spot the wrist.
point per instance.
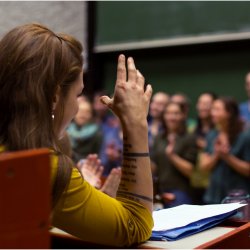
(133, 125)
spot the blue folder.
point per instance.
(192, 228)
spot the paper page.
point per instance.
(183, 215)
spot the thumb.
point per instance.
(106, 101)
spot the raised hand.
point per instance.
(130, 102)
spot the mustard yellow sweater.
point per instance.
(93, 216)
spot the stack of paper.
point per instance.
(181, 221)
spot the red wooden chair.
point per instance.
(25, 199)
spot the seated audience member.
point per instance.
(42, 73)
(156, 109)
(85, 135)
(199, 180)
(183, 99)
(245, 106)
(174, 155)
(227, 152)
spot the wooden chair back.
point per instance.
(25, 199)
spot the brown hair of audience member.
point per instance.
(182, 129)
(234, 123)
(35, 59)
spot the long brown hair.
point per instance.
(234, 123)
(34, 63)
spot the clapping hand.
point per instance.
(171, 144)
(92, 171)
(222, 146)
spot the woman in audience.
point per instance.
(199, 179)
(42, 73)
(85, 135)
(174, 156)
(227, 152)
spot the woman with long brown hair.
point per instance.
(227, 152)
(174, 155)
(40, 80)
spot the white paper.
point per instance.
(183, 215)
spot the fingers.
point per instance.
(148, 92)
(99, 171)
(132, 72)
(121, 70)
(140, 79)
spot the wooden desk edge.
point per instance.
(226, 236)
(245, 228)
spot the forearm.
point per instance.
(208, 162)
(238, 165)
(136, 182)
(184, 166)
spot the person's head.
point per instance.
(225, 115)
(85, 112)
(40, 77)
(247, 84)
(204, 105)
(174, 118)
(183, 99)
(158, 104)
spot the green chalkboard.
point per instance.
(220, 72)
(119, 22)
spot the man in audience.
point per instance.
(245, 106)
(157, 106)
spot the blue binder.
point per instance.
(192, 228)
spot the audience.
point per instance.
(245, 106)
(227, 152)
(174, 155)
(85, 135)
(183, 150)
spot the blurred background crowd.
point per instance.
(195, 160)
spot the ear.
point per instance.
(56, 98)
